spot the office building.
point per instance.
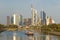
(20, 20)
(27, 21)
(15, 19)
(34, 16)
(43, 18)
(49, 20)
(39, 21)
(8, 20)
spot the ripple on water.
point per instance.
(9, 35)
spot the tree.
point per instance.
(2, 28)
(58, 27)
(45, 29)
(12, 27)
(53, 27)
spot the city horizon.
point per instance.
(29, 19)
(7, 8)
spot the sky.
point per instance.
(9, 7)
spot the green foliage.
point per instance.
(50, 28)
(44, 28)
(58, 27)
(12, 27)
(53, 27)
(2, 28)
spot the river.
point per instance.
(20, 35)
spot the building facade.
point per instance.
(27, 21)
(43, 18)
(15, 19)
(8, 20)
(21, 20)
(34, 16)
(49, 20)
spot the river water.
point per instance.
(10, 35)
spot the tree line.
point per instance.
(43, 28)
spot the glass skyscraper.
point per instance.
(34, 16)
(15, 19)
(43, 18)
(21, 20)
(8, 20)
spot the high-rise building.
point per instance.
(43, 18)
(21, 20)
(15, 19)
(49, 20)
(39, 21)
(8, 20)
(27, 21)
(34, 16)
(11, 19)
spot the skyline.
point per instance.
(8, 7)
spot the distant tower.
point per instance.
(15, 19)
(8, 20)
(29, 21)
(21, 20)
(43, 18)
(39, 21)
(25, 21)
(47, 20)
(50, 20)
(34, 16)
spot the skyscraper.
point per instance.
(43, 18)
(21, 20)
(34, 16)
(15, 19)
(49, 20)
(8, 20)
(39, 21)
(27, 21)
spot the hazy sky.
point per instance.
(8, 7)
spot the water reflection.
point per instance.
(14, 36)
(9, 35)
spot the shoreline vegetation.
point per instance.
(45, 29)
